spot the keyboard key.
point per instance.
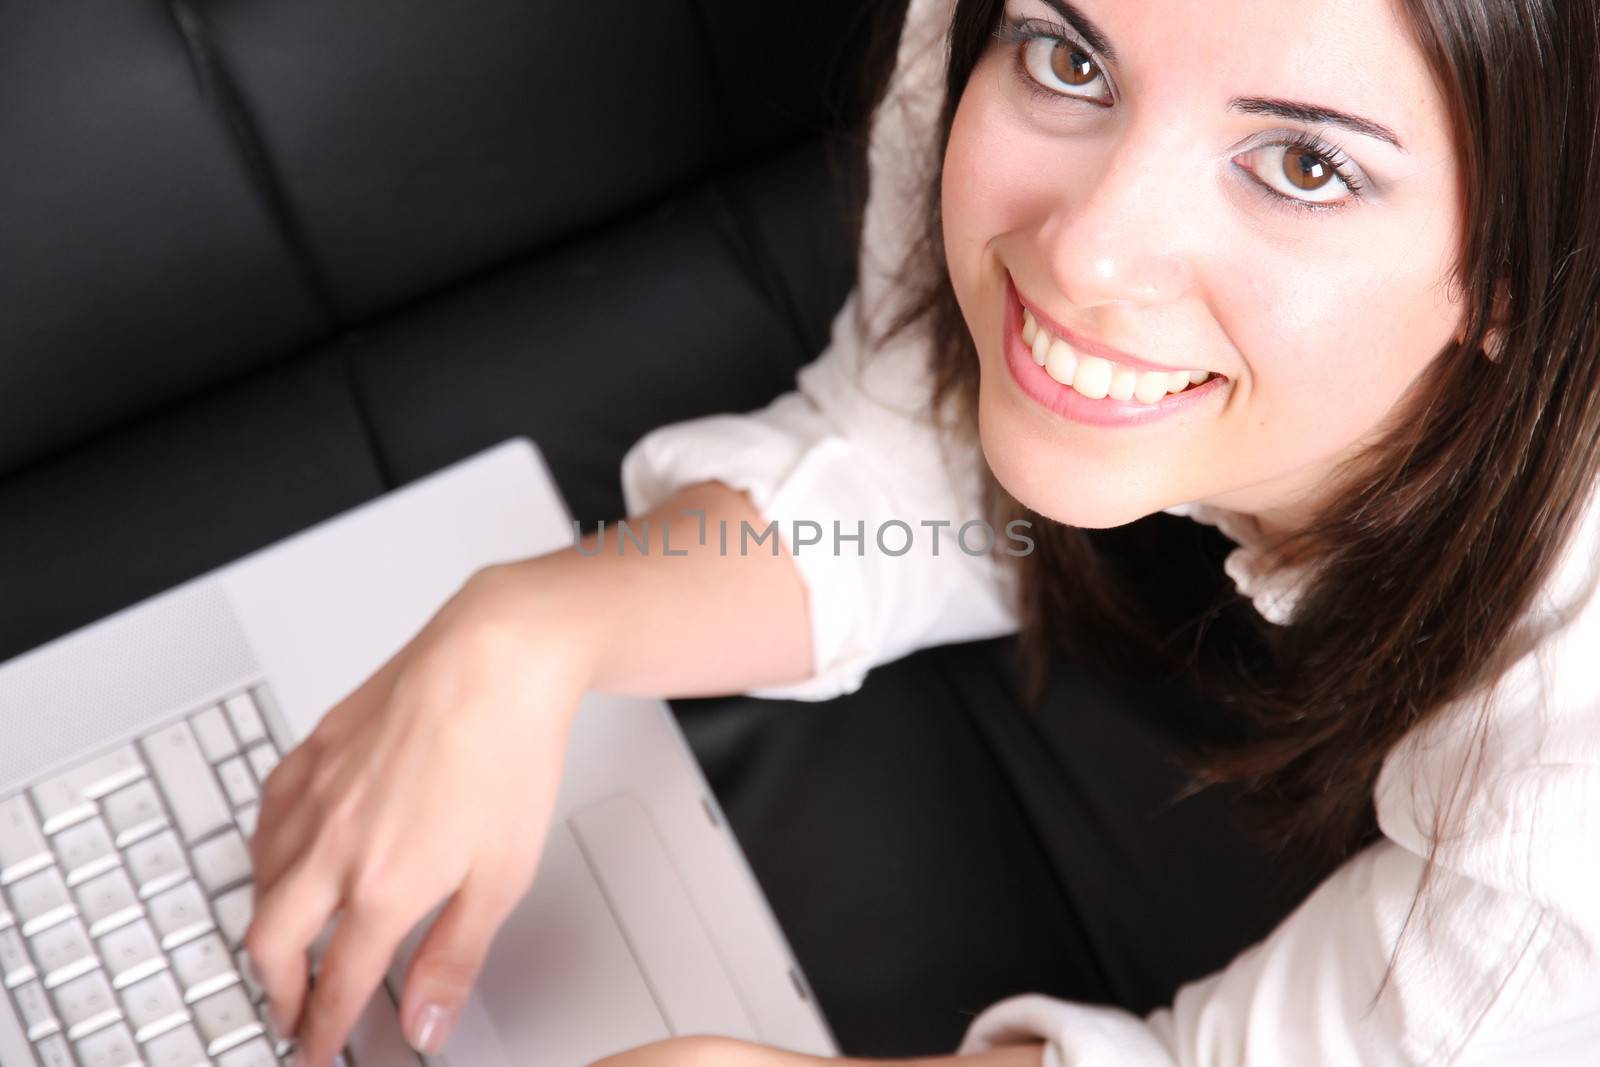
(40, 901)
(180, 915)
(107, 902)
(237, 782)
(197, 804)
(157, 863)
(263, 758)
(154, 1005)
(67, 798)
(221, 862)
(63, 952)
(86, 1004)
(203, 966)
(216, 739)
(22, 847)
(246, 719)
(133, 812)
(247, 973)
(38, 1015)
(53, 1052)
(14, 1045)
(85, 850)
(15, 966)
(280, 1044)
(256, 1054)
(131, 953)
(247, 817)
(225, 1019)
(178, 1048)
(233, 914)
(111, 1047)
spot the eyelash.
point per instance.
(1019, 32)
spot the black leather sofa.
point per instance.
(262, 260)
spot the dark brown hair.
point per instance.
(1439, 536)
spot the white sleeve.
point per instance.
(1501, 961)
(856, 444)
(1490, 977)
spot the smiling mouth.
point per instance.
(1097, 378)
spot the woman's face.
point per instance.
(1211, 189)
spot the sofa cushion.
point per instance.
(177, 494)
(554, 349)
(682, 312)
(417, 142)
(137, 263)
(785, 71)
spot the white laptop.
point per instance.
(131, 753)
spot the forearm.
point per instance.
(725, 1052)
(1010, 1056)
(704, 620)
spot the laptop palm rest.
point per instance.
(607, 952)
(560, 985)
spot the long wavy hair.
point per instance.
(1439, 536)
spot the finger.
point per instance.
(363, 943)
(286, 819)
(447, 964)
(302, 826)
(281, 793)
(286, 783)
(288, 918)
(280, 839)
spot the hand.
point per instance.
(432, 782)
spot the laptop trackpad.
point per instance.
(659, 919)
(560, 986)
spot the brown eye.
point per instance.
(1071, 65)
(1064, 68)
(1306, 170)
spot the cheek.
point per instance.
(999, 183)
(1351, 329)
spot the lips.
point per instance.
(1085, 381)
(1097, 377)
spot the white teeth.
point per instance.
(1152, 386)
(1093, 379)
(1098, 378)
(1061, 363)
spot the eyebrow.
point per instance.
(1294, 110)
(1290, 109)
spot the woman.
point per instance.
(1365, 239)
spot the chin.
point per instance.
(1047, 478)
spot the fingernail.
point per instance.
(431, 1028)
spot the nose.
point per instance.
(1117, 234)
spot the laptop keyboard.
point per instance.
(125, 894)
